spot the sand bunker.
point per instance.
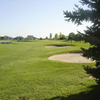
(70, 57)
(57, 46)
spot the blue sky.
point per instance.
(36, 17)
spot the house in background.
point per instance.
(31, 37)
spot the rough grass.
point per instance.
(27, 74)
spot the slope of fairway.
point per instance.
(27, 74)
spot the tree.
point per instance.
(46, 38)
(50, 35)
(41, 38)
(56, 36)
(62, 36)
(92, 34)
(78, 37)
(71, 36)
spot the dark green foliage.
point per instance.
(62, 36)
(78, 37)
(46, 38)
(94, 72)
(92, 34)
(71, 36)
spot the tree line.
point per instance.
(72, 36)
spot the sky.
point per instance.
(36, 17)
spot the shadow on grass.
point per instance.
(93, 94)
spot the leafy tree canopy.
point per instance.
(92, 34)
(71, 36)
(56, 36)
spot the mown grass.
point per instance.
(27, 74)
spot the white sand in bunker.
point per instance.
(70, 57)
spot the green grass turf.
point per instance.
(27, 74)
